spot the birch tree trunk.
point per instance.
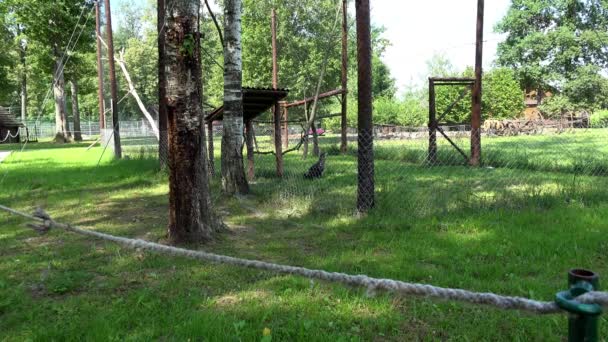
(75, 110)
(62, 132)
(191, 217)
(22, 52)
(233, 170)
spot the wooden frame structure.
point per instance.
(434, 120)
(255, 102)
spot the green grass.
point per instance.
(512, 230)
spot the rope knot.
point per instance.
(47, 222)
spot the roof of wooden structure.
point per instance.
(255, 102)
(7, 119)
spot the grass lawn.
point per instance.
(513, 230)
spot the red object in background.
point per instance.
(320, 131)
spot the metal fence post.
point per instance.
(583, 319)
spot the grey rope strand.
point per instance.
(372, 284)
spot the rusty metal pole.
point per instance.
(432, 156)
(102, 114)
(477, 89)
(113, 87)
(366, 186)
(344, 78)
(278, 148)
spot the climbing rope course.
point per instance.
(591, 301)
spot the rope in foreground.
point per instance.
(372, 284)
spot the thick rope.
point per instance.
(372, 284)
(9, 136)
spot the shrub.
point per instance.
(556, 106)
(502, 96)
(599, 119)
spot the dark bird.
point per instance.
(316, 171)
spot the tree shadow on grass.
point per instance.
(485, 256)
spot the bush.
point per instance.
(386, 110)
(599, 119)
(556, 106)
(413, 113)
(502, 96)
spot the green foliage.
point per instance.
(588, 88)
(7, 59)
(555, 43)
(502, 96)
(556, 106)
(599, 119)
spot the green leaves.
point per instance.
(187, 47)
(549, 42)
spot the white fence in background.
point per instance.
(90, 129)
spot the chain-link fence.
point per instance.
(417, 173)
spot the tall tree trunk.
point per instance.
(191, 217)
(62, 132)
(113, 86)
(100, 98)
(344, 78)
(75, 110)
(22, 52)
(233, 171)
(163, 148)
(365, 161)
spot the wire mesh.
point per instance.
(521, 166)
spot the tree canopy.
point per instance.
(551, 43)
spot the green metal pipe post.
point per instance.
(583, 319)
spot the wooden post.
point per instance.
(366, 185)
(210, 148)
(278, 149)
(344, 126)
(285, 126)
(249, 134)
(113, 87)
(432, 156)
(102, 114)
(477, 89)
(163, 137)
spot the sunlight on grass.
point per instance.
(514, 228)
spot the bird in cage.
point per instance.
(316, 171)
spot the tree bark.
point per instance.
(191, 217)
(344, 79)
(62, 132)
(100, 98)
(22, 52)
(163, 148)
(276, 111)
(75, 111)
(365, 163)
(113, 86)
(233, 171)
